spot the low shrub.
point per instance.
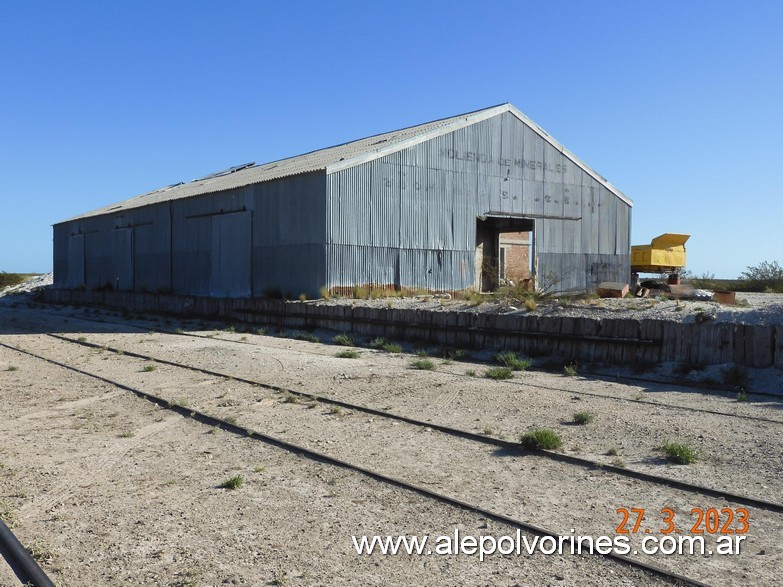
(511, 360)
(541, 439)
(234, 482)
(678, 453)
(583, 418)
(344, 339)
(499, 373)
(425, 364)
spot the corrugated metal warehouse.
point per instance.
(461, 202)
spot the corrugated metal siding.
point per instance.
(123, 251)
(407, 218)
(623, 231)
(231, 252)
(570, 272)
(289, 233)
(98, 247)
(381, 264)
(152, 253)
(389, 213)
(215, 245)
(384, 211)
(590, 213)
(437, 270)
(210, 242)
(75, 276)
(62, 265)
(151, 246)
(191, 256)
(122, 258)
(289, 270)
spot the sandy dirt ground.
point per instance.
(110, 490)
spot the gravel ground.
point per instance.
(110, 490)
(123, 493)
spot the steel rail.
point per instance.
(456, 432)
(317, 456)
(20, 560)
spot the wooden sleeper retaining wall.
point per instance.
(608, 340)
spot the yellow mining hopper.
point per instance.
(665, 254)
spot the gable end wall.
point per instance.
(409, 218)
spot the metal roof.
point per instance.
(334, 159)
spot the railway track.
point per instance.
(244, 431)
(657, 404)
(451, 431)
(229, 426)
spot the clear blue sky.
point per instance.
(677, 103)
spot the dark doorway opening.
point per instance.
(504, 252)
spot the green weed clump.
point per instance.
(570, 370)
(541, 439)
(40, 552)
(425, 364)
(472, 297)
(583, 418)
(511, 360)
(149, 367)
(499, 373)
(459, 355)
(384, 344)
(344, 339)
(678, 453)
(348, 354)
(234, 482)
